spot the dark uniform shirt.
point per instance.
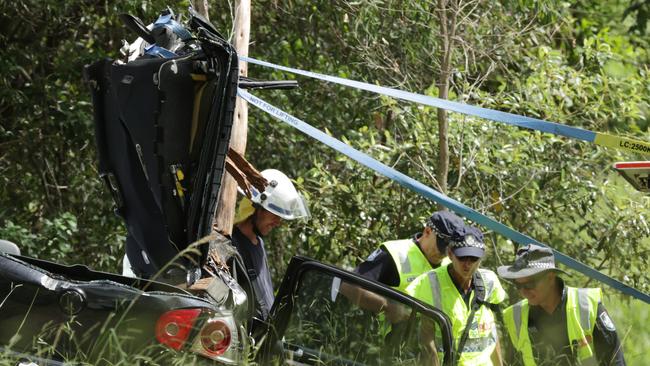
(380, 266)
(254, 257)
(465, 295)
(549, 337)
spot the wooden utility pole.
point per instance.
(447, 18)
(201, 7)
(228, 198)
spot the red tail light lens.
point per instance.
(215, 337)
(174, 327)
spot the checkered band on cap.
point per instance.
(530, 260)
(438, 232)
(534, 256)
(468, 241)
(446, 225)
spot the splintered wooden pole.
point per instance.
(228, 197)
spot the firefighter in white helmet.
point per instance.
(255, 218)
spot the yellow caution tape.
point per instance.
(622, 143)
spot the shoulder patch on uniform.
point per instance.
(606, 321)
(411, 278)
(374, 255)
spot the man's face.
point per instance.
(464, 266)
(266, 221)
(429, 244)
(536, 288)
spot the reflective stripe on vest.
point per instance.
(437, 289)
(581, 327)
(517, 315)
(409, 260)
(583, 303)
(581, 308)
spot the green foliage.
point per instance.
(629, 315)
(581, 63)
(556, 190)
(571, 64)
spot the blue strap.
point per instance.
(434, 195)
(626, 144)
(171, 23)
(153, 50)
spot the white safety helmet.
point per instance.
(280, 196)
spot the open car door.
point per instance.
(327, 316)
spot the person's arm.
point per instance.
(395, 312)
(608, 348)
(378, 267)
(496, 357)
(427, 338)
(363, 298)
(372, 268)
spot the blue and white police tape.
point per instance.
(598, 138)
(434, 195)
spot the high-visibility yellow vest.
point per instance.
(581, 312)
(437, 288)
(409, 260)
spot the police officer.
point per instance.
(556, 324)
(470, 296)
(396, 263)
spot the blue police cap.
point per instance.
(470, 245)
(447, 226)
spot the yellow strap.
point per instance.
(622, 143)
(199, 77)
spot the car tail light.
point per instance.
(215, 337)
(174, 327)
(218, 339)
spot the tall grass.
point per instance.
(632, 320)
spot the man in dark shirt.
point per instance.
(556, 324)
(257, 217)
(397, 263)
(548, 333)
(253, 254)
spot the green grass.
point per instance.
(631, 318)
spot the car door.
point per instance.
(328, 316)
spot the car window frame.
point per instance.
(276, 326)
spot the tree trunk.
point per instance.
(228, 196)
(201, 7)
(447, 31)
